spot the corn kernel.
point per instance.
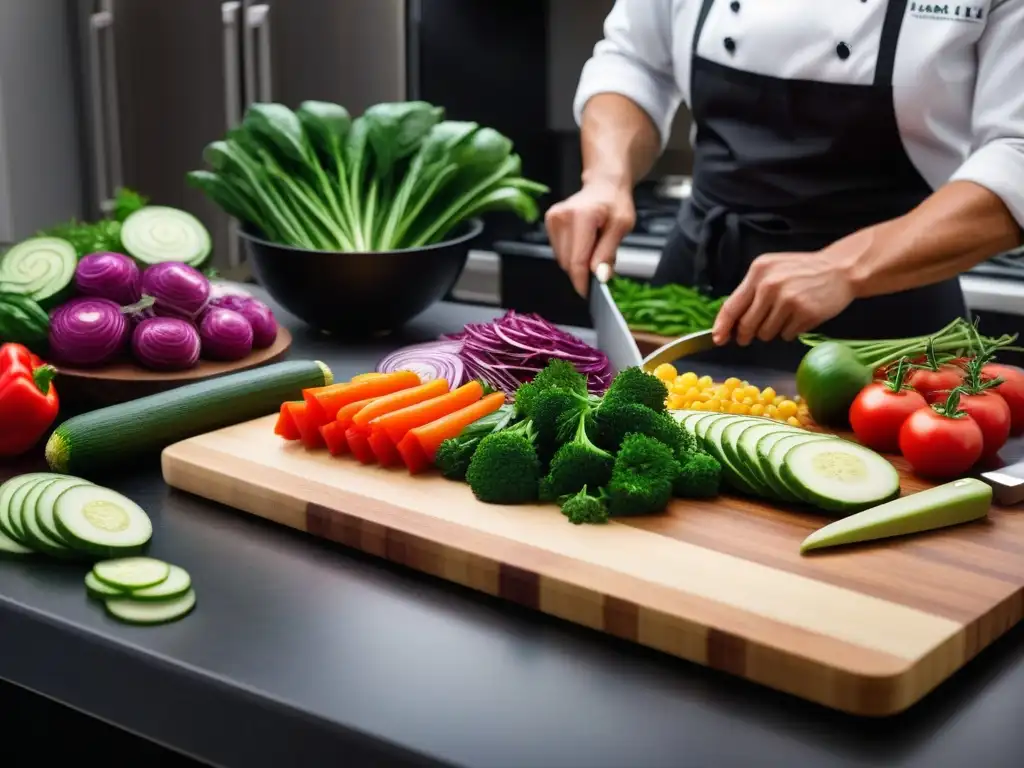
(757, 409)
(768, 395)
(748, 401)
(714, 404)
(777, 400)
(688, 379)
(794, 421)
(738, 408)
(752, 392)
(674, 402)
(698, 406)
(705, 382)
(771, 411)
(731, 383)
(666, 372)
(787, 408)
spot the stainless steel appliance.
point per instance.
(166, 78)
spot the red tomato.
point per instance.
(926, 381)
(1011, 390)
(991, 413)
(877, 413)
(940, 447)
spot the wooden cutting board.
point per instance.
(869, 630)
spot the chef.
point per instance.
(851, 157)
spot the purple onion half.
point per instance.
(108, 275)
(225, 335)
(177, 289)
(87, 332)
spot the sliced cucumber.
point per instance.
(177, 583)
(133, 611)
(157, 233)
(18, 504)
(98, 590)
(746, 446)
(101, 520)
(733, 475)
(840, 476)
(37, 537)
(701, 426)
(41, 268)
(777, 456)
(132, 573)
(10, 542)
(47, 500)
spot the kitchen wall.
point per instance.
(40, 176)
(574, 26)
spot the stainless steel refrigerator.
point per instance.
(161, 79)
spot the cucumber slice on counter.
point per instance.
(839, 476)
(101, 520)
(36, 536)
(132, 573)
(960, 501)
(10, 542)
(17, 505)
(177, 583)
(47, 500)
(133, 611)
(701, 426)
(156, 234)
(98, 590)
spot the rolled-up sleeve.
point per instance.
(635, 60)
(997, 124)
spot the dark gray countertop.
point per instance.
(303, 654)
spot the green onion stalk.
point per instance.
(958, 339)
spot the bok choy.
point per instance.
(398, 176)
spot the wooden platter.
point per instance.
(123, 381)
(868, 630)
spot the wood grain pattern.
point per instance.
(123, 381)
(869, 630)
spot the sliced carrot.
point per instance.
(334, 437)
(330, 400)
(430, 436)
(286, 426)
(365, 376)
(398, 400)
(359, 443)
(309, 434)
(397, 423)
(383, 449)
(346, 413)
(415, 460)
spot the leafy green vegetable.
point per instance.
(102, 235)
(398, 176)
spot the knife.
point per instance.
(613, 335)
(1007, 483)
(615, 339)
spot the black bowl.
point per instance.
(357, 294)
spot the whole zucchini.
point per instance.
(123, 433)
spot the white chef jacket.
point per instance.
(958, 79)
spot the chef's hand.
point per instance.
(783, 294)
(586, 229)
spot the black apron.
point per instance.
(792, 166)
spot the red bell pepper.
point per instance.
(28, 399)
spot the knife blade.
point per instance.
(613, 335)
(690, 344)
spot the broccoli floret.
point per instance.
(577, 464)
(699, 477)
(615, 420)
(583, 508)
(642, 477)
(453, 454)
(505, 468)
(633, 385)
(551, 411)
(557, 374)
